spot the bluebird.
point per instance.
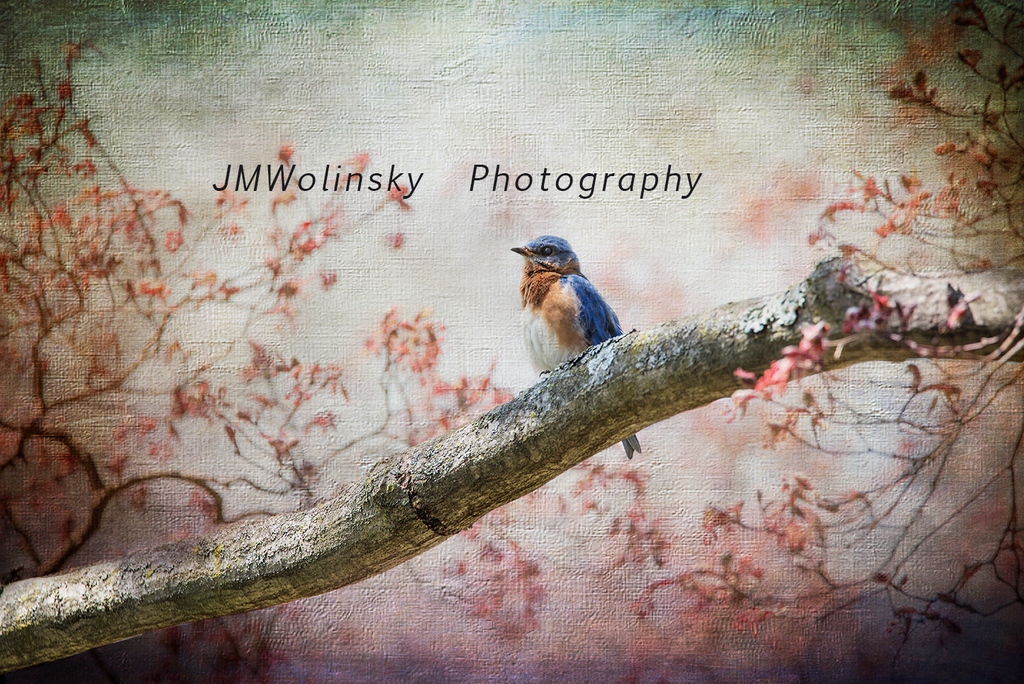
(563, 313)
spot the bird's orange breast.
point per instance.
(544, 297)
(535, 285)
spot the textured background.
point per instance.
(776, 104)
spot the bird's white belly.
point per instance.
(542, 342)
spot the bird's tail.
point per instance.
(631, 444)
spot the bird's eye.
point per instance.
(546, 251)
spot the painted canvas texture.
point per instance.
(249, 249)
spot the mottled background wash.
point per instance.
(615, 571)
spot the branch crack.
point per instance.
(433, 523)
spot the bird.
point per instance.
(563, 313)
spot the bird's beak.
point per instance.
(521, 251)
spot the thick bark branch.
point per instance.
(412, 502)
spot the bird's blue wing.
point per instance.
(598, 323)
(596, 318)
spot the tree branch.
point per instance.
(411, 502)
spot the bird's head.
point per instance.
(550, 253)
